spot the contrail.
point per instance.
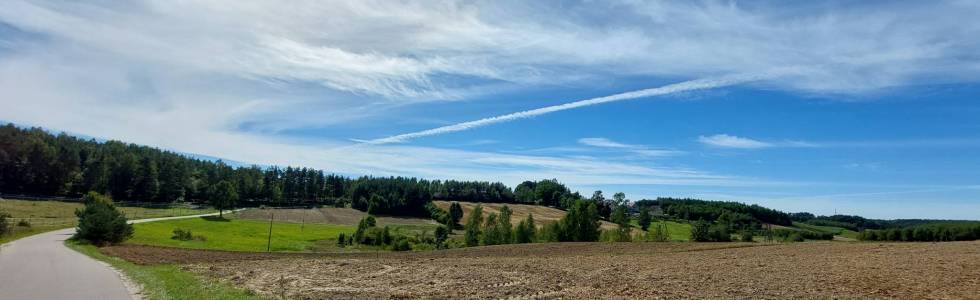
(698, 84)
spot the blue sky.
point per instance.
(860, 108)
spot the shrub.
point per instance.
(100, 223)
(182, 235)
(719, 233)
(699, 231)
(441, 235)
(746, 236)
(438, 214)
(401, 245)
(342, 240)
(645, 218)
(362, 226)
(795, 237)
(23, 223)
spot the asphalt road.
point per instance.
(41, 267)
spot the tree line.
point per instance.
(740, 214)
(932, 232)
(38, 163)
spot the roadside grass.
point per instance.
(167, 281)
(44, 216)
(17, 232)
(232, 234)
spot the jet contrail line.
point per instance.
(697, 84)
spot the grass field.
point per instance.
(233, 234)
(168, 281)
(847, 233)
(678, 231)
(329, 215)
(44, 216)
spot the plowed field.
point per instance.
(812, 270)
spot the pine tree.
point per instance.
(147, 183)
(455, 212)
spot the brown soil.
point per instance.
(812, 270)
(542, 214)
(327, 215)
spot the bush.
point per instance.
(699, 231)
(24, 223)
(795, 237)
(100, 223)
(182, 235)
(746, 236)
(441, 235)
(719, 233)
(342, 240)
(401, 245)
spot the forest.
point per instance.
(34, 162)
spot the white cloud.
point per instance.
(730, 141)
(691, 85)
(636, 149)
(216, 77)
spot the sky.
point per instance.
(850, 107)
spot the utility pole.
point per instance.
(268, 245)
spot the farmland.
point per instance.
(235, 234)
(45, 216)
(812, 270)
(544, 215)
(328, 215)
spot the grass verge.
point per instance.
(166, 281)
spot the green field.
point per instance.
(679, 232)
(237, 235)
(167, 281)
(44, 216)
(847, 233)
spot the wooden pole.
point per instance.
(268, 245)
